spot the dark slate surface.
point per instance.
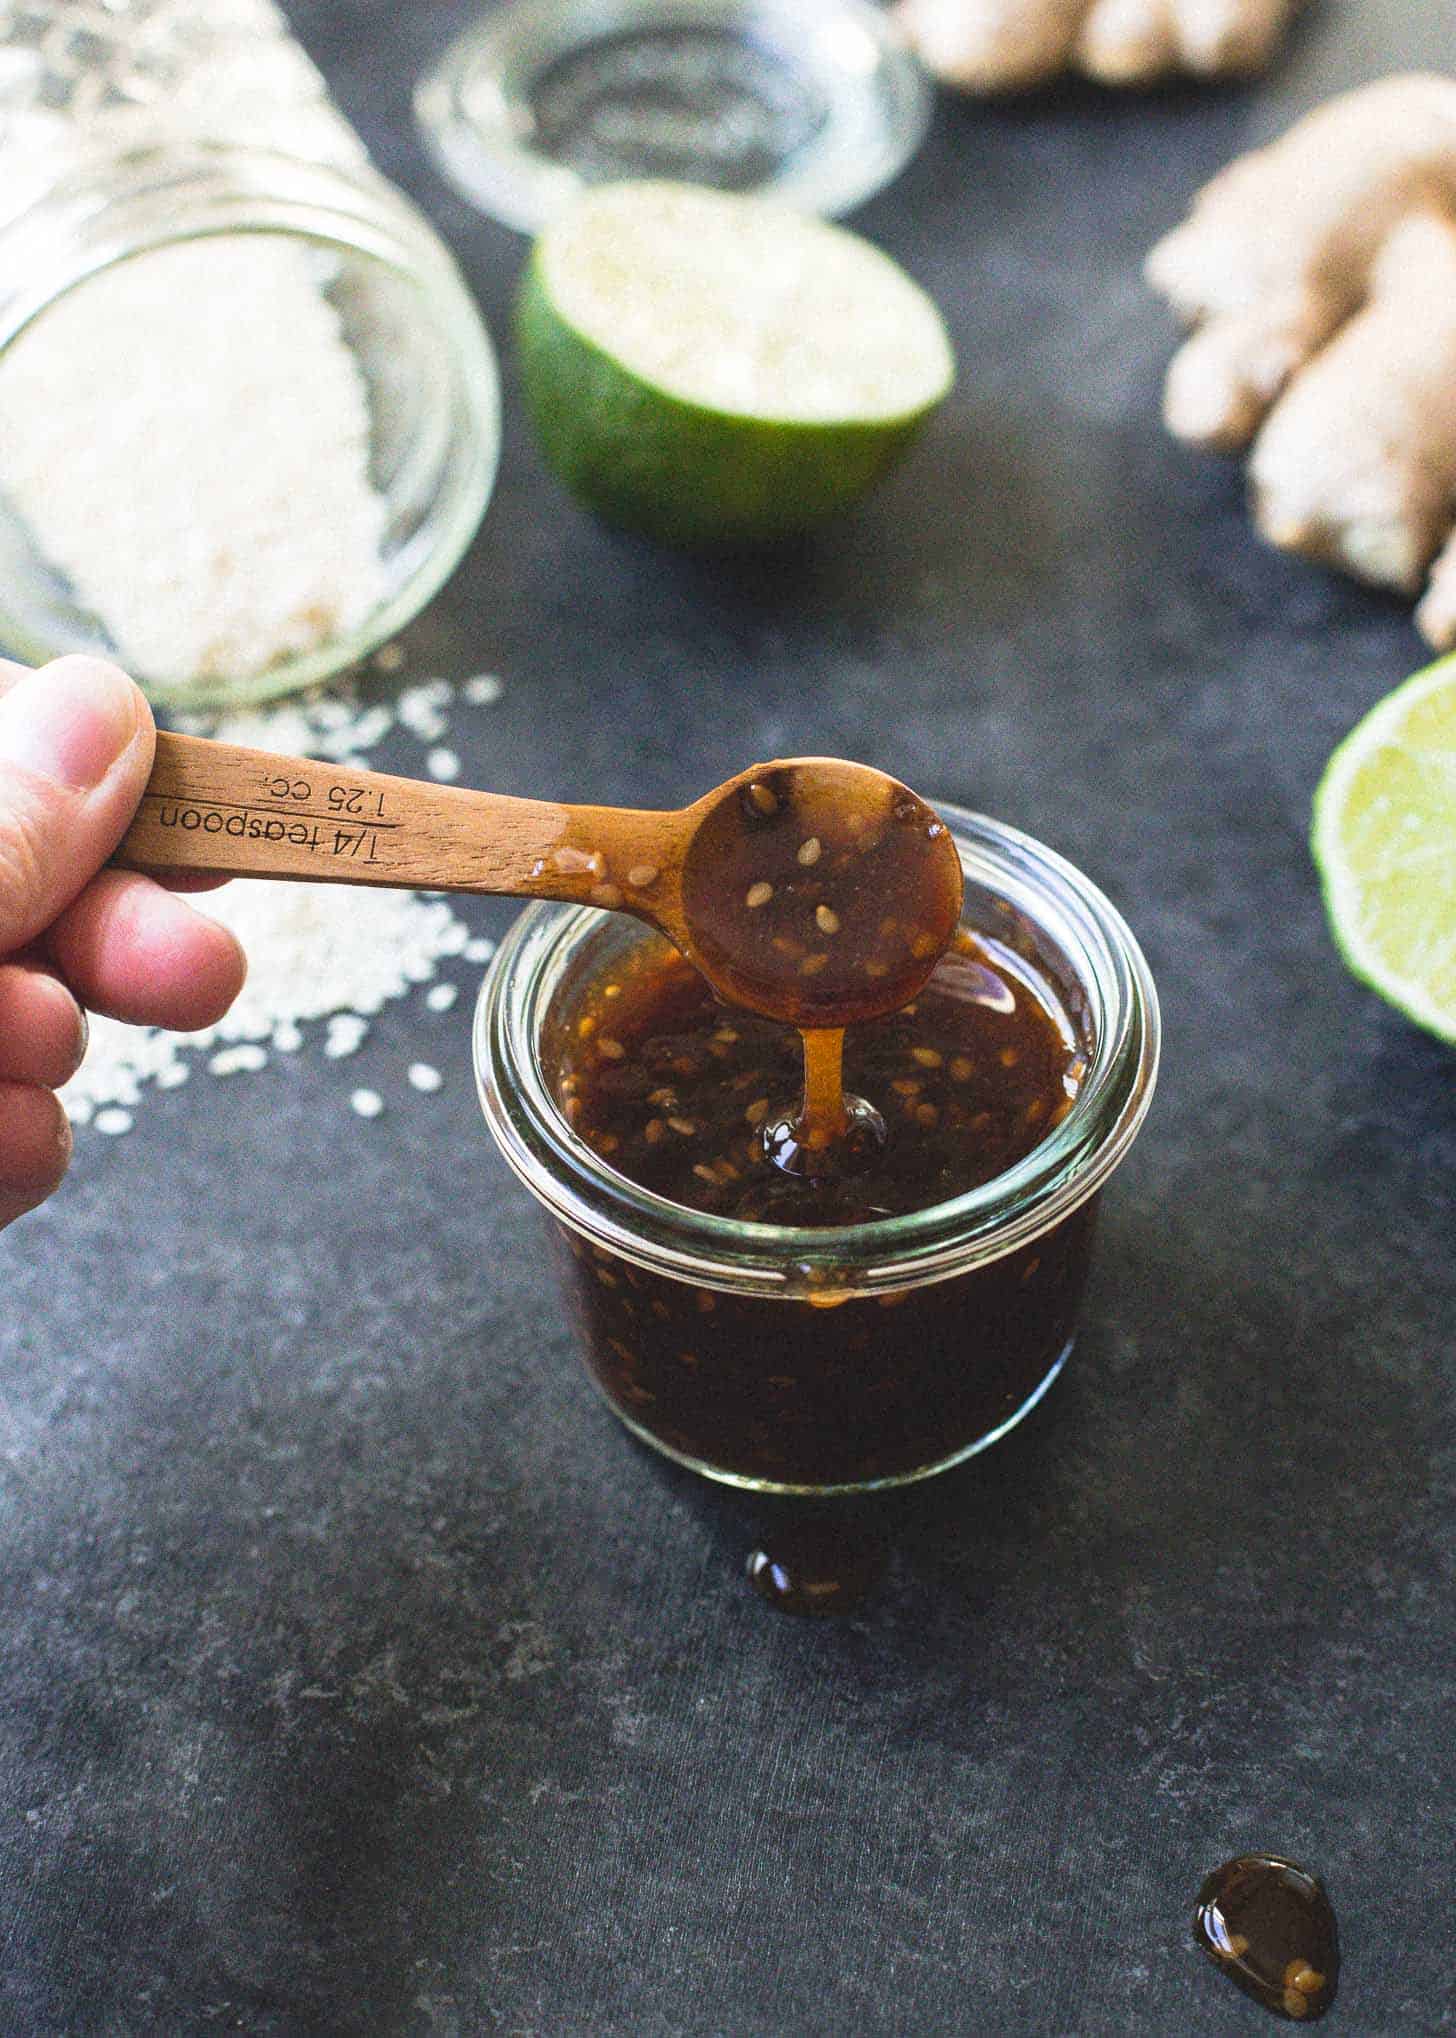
(360, 1677)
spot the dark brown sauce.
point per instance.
(1269, 1926)
(817, 1561)
(699, 1104)
(820, 893)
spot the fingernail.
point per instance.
(69, 722)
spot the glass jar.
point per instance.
(833, 1360)
(130, 129)
(819, 103)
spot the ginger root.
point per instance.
(1319, 275)
(1005, 45)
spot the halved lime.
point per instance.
(1385, 842)
(713, 369)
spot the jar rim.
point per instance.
(581, 1189)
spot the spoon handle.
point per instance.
(228, 811)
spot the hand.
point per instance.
(1320, 277)
(76, 743)
(1006, 45)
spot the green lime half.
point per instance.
(716, 370)
(1385, 843)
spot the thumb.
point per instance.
(76, 744)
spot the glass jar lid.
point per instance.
(817, 102)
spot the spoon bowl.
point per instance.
(817, 892)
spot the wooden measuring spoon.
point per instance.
(811, 891)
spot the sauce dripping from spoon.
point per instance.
(812, 891)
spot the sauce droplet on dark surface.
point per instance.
(817, 1566)
(1269, 1926)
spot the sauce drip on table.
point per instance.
(817, 1560)
(1269, 1926)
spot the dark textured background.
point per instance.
(359, 1676)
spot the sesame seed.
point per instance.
(757, 1111)
(758, 895)
(705, 1173)
(366, 1103)
(877, 969)
(232, 1060)
(764, 799)
(424, 1077)
(811, 851)
(686, 1127)
(1296, 2004)
(654, 1130)
(1308, 1980)
(612, 1049)
(826, 919)
(812, 964)
(962, 1068)
(440, 997)
(926, 1114)
(113, 1121)
(642, 874)
(586, 1027)
(726, 1034)
(928, 1057)
(907, 1086)
(607, 896)
(611, 990)
(1009, 1057)
(922, 946)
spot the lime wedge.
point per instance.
(1385, 843)
(715, 370)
